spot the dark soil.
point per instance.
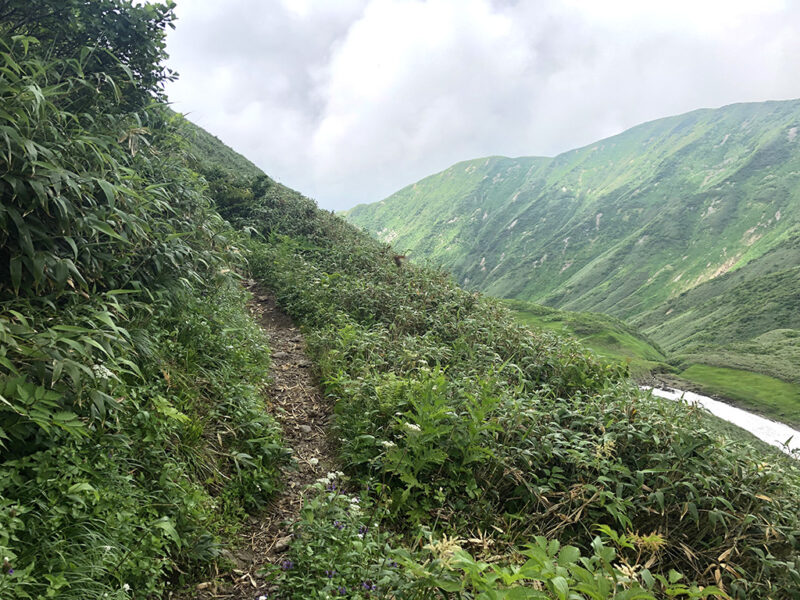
(294, 399)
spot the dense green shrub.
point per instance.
(340, 546)
(132, 428)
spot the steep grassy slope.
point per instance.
(215, 155)
(753, 312)
(626, 224)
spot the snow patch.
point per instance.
(597, 221)
(791, 134)
(514, 222)
(771, 432)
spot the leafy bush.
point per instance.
(545, 570)
(131, 422)
(339, 547)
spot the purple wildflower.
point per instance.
(362, 531)
(393, 563)
(329, 573)
(342, 590)
(286, 565)
(369, 586)
(339, 525)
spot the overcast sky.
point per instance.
(348, 101)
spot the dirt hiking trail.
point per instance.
(296, 402)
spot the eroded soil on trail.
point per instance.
(294, 399)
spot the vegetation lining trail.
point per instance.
(299, 407)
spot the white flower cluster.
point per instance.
(101, 371)
(330, 477)
(355, 505)
(388, 444)
(412, 427)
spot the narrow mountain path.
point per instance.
(295, 400)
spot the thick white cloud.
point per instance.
(348, 101)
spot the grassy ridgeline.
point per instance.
(710, 371)
(609, 337)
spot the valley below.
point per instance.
(648, 364)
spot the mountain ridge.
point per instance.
(626, 225)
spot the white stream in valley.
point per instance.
(771, 432)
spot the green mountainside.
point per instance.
(618, 226)
(687, 227)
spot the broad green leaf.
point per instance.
(560, 587)
(165, 525)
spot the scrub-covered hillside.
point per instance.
(479, 458)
